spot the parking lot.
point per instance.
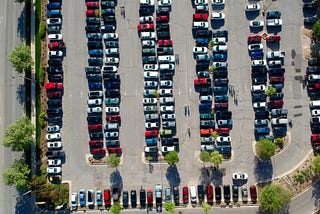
(133, 171)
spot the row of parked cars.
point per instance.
(159, 66)
(217, 62)
(190, 194)
(102, 72)
(259, 72)
(54, 88)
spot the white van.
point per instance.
(279, 121)
(110, 126)
(193, 194)
(200, 25)
(314, 103)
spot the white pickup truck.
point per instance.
(275, 54)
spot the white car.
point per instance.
(112, 110)
(222, 139)
(207, 147)
(144, 19)
(256, 23)
(217, 16)
(54, 21)
(149, 92)
(258, 63)
(55, 53)
(166, 92)
(164, 3)
(166, 149)
(166, 109)
(110, 51)
(258, 105)
(54, 128)
(147, 35)
(94, 102)
(218, 2)
(166, 100)
(200, 2)
(54, 162)
(94, 110)
(255, 47)
(202, 8)
(54, 145)
(146, 2)
(253, 7)
(258, 88)
(54, 170)
(274, 22)
(54, 136)
(150, 67)
(111, 60)
(206, 57)
(200, 50)
(151, 84)
(206, 98)
(111, 134)
(166, 59)
(74, 200)
(149, 101)
(220, 64)
(150, 125)
(148, 43)
(166, 83)
(151, 74)
(313, 77)
(200, 25)
(220, 48)
(168, 116)
(219, 40)
(239, 176)
(53, 37)
(169, 66)
(315, 112)
(274, 63)
(110, 36)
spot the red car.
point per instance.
(95, 127)
(206, 132)
(53, 85)
(313, 86)
(116, 150)
(162, 18)
(274, 38)
(201, 81)
(152, 133)
(145, 27)
(276, 79)
(100, 151)
(96, 143)
(254, 39)
(165, 42)
(56, 45)
(200, 17)
(93, 5)
(275, 103)
(93, 13)
(210, 194)
(315, 137)
(223, 131)
(113, 118)
(221, 105)
(107, 197)
(253, 193)
(185, 195)
(54, 94)
(149, 197)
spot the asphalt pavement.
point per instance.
(11, 91)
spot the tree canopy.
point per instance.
(113, 160)
(21, 58)
(17, 175)
(19, 135)
(216, 158)
(274, 197)
(205, 156)
(206, 207)
(169, 207)
(265, 149)
(172, 158)
(316, 30)
(271, 91)
(316, 164)
(115, 208)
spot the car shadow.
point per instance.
(217, 24)
(274, 30)
(252, 15)
(173, 176)
(263, 170)
(255, 30)
(273, 46)
(217, 7)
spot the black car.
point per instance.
(277, 96)
(111, 44)
(235, 193)
(54, 111)
(176, 197)
(220, 73)
(54, 120)
(204, 34)
(94, 77)
(200, 193)
(94, 44)
(163, 10)
(108, 11)
(273, 14)
(226, 192)
(54, 102)
(261, 114)
(223, 115)
(142, 197)
(220, 33)
(125, 199)
(55, 62)
(55, 78)
(113, 143)
(92, 29)
(146, 11)
(108, 28)
(217, 191)
(92, 20)
(259, 80)
(94, 119)
(93, 70)
(311, 5)
(53, 29)
(109, 18)
(54, 69)
(106, 4)
(133, 198)
(162, 27)
(163, 34)
(167, 141)
(259, 97)
(166, 75)
(277, 71)
(112, 85)
(165, 51)
(313, 70)
(221, 81)
(111, 76)
(313, 62)
(95, 61)
(55, 154)
(310, 20)
(259, 70)
(112, 93)
(149, 59)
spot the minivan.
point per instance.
(193, 194)
(279, 121)
(111, 126)
(314, 103)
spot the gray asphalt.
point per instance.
(11, 91)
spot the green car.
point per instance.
(112, 101)
(165, 132)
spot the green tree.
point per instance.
(17, 175)
(212, 69)
(113, 160)
(169, 207)
(271, 91)
(21, 58)
(265, 149)
(279, 142)
(172, 158)
(19, 135)
(115, 208)
(316, 165)
(214, 134)
(316, 30)
(204, 157)
(216, 158)
(274, 197)
(211, 43)
(206, 207)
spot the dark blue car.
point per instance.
(53, 13)
(219, 57)
(204, 107)
(256, 55)
(96, 52)
(54, 5)
(202, 41)
(262, 131)
(221, 98)
(95, 86)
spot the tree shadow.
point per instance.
(216, 176)
(205, 177)
(173, 176)
(116, 180)
(263, 170)
(21, 94)
(21, 24)
(316, 194)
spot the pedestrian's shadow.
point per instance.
(173, 176)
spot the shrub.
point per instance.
(42, 30)
(42, 119)
(42, 75)
(279, 142)
(299, 178)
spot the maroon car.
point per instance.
(253, 193)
